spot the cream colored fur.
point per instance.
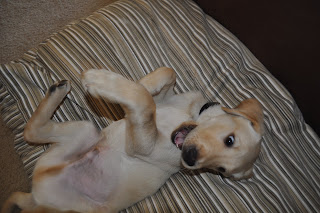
(87, 170)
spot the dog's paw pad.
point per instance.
(61, 85)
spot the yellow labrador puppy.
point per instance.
(87, 170)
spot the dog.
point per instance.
(87, 170)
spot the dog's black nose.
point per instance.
(190, 154)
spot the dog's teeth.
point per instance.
(179, 142)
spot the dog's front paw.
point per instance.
(94, 80)
(104, 83)
(115, 88)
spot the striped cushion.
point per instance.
(135, 37)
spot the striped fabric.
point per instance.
(135, 37)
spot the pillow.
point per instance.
(134, 38)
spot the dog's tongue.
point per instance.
(179, 135)
(179, 139)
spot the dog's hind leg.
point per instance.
(22, 200)
(39, 126)
(137, 103)
(160, 83)
(73, 137)
(70, 140)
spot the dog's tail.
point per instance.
(21, 199)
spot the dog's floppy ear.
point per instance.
(250, 109)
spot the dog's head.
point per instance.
(222, 139)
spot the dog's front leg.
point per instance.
(137, 103)
(160, 83)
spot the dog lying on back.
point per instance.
(87, 170)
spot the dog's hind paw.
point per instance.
(62, 87)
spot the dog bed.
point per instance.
(134, 38)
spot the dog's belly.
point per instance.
(94, 176)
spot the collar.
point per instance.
(207, 105)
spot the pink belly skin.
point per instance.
(93, 176)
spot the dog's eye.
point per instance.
(229, 141)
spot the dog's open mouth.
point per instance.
(179, 135)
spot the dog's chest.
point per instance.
(94, 175)
(168, 118)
